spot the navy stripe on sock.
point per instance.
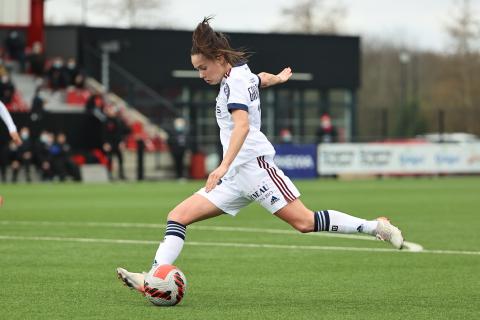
(175, 229)
(172, 233)
(316, 222)
(327, 220)
(321, 221)
(171, 222)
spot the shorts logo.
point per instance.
(335, 228)
(274, 199)
(260, 193)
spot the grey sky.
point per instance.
(419, 23)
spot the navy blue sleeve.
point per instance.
(259, 81)
(236, 106)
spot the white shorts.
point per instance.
(258, 180)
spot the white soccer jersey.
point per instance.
(239, 90)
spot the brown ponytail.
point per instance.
(213, 44)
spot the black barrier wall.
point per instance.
(83, 131)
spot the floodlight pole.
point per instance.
(107, 48)
(404, 58)
(106, 70)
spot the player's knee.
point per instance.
(303, 226)
(179, 216)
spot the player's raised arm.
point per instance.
(268, 79)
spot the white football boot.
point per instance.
(386, 231)
(132, 280)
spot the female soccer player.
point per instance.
(247, 172)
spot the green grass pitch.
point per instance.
(54, 265)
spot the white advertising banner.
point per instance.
(15, 12)
(384, 158)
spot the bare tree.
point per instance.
(314, 16)
(464, 31)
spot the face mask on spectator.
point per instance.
(25, 135)
(179, 124)
(44, 137)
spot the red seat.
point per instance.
(17, 104)
(77, 97)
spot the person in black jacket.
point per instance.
(7, 89)
(326, 132)
(114, 130)
(178, 144)
(43, 158)
(25, 155)
(37, 60)
(62, 163)
(37, 114)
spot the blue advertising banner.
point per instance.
(298, 161)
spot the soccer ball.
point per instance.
(165, 285)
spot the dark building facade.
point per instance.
(326, 76)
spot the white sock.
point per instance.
(171, 246)
(336, 221)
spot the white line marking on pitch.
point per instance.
(236, 245)
(410, 246)
(191, 227)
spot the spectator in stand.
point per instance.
(62, 163)
(43, 156)
(15, 46)
(37, 114)
(95, 106)
(3, 69)
(286, 136)
(58, 75)
(114, 130)
(79, 81)
(37, 60)
(75, 74)
(14, 158)
(326, 132)
(7, 90)
(25, 155)
(178, 143)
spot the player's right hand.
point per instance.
(16, 138)
(214, 177)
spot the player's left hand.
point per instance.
(214, 177)
(284, 75)
(16, 138)
(1, 201)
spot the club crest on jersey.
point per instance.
(254, 94)
(226, 89)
